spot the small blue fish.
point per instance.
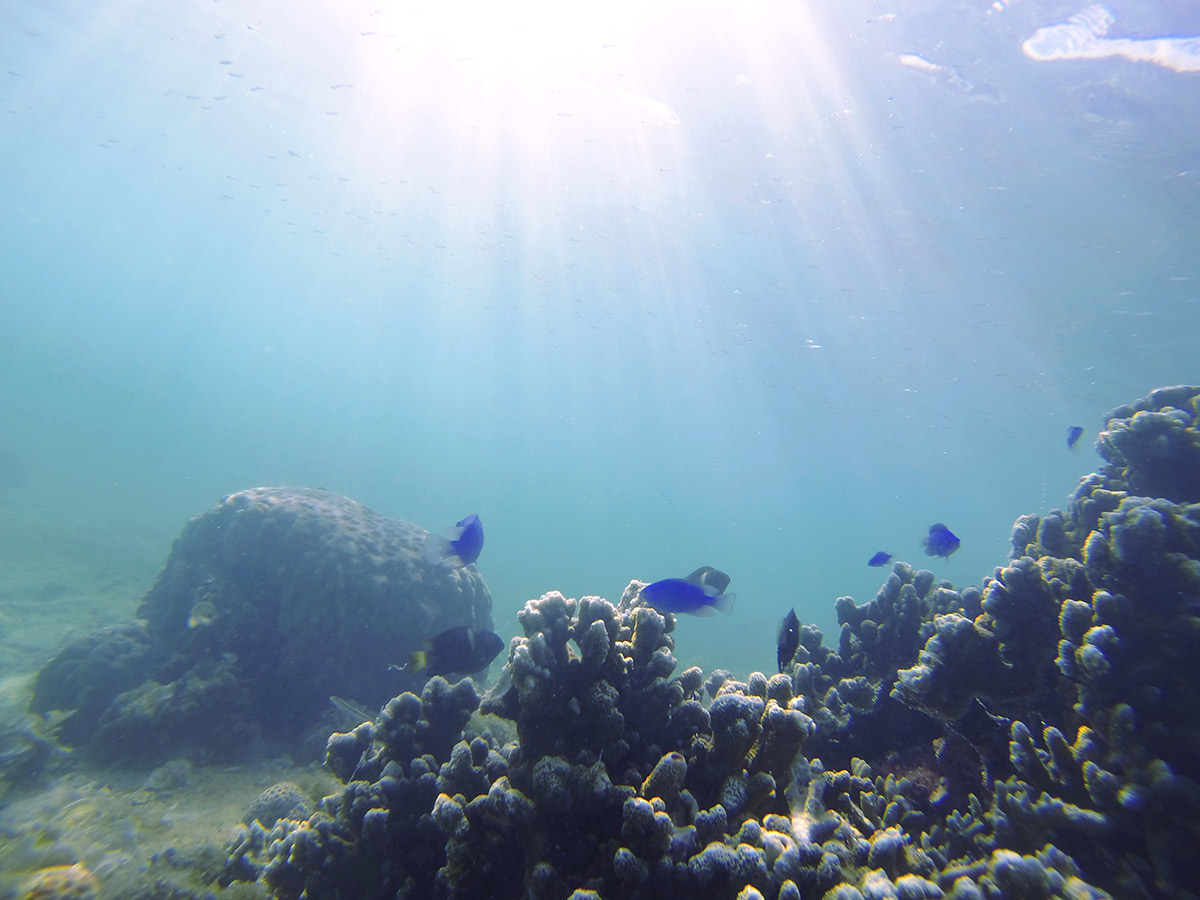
(460, 550)
(940, 541)
(1074, 433)
(699, 594)
(880, 559)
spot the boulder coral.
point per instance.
(269, 602)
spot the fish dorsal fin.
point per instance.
(712, 581)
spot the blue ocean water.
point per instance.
(766, 286)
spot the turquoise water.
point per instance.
(768, 287)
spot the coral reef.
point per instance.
(619, 779)
(63, 883)
(89, 672)
(1095, 622)
(1037, 738)
(284, 800)
(269, 603)
(1153, 446)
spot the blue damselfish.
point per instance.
(940, 541)
(461, 549)
(699, 594)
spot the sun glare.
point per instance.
(525, 35)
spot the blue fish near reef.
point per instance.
(700, 594)
(940, 541)
(1074, 433)
(460, 550)
(880, 559)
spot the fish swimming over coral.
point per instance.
(1074, 433)
(352, 712)
(881, 558)
(460, 550)
(789, 639)
(700, 594)
(460, 650)
(940, 541)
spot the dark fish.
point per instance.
(1074, 433)
(940, 541)
(460, 650)
(699, 594)
(789, 639)
(880, 559)
(462, 549)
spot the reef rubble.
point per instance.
(1038, 737)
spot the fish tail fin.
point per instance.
(724, 602)
(441, 552)
(417, 661)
